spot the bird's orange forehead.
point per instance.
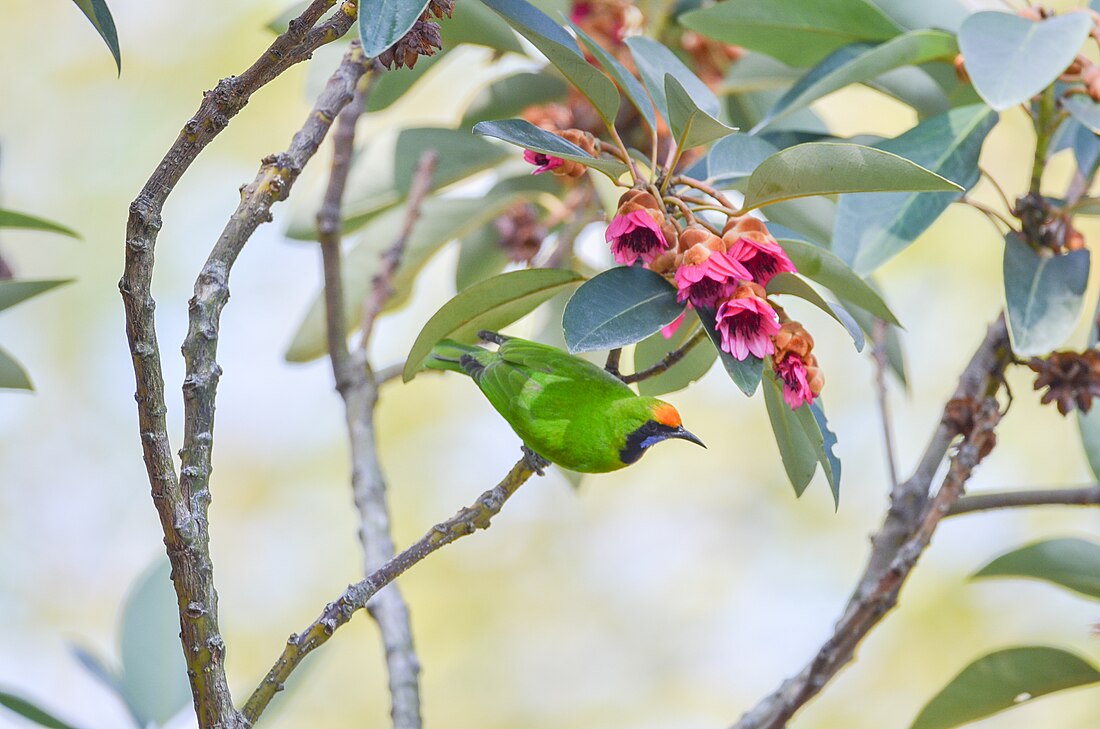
(665, 414)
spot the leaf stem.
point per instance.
(669, 360)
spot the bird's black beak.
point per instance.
(686, 435)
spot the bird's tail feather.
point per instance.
(447, 355)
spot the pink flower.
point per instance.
(712, 279)
(542, 162)
(747, 324)
(796, 384)
(669, 329)
(763, 258)
(635, 234)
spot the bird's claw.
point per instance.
(534, 461)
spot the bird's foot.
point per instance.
(495, 337)
(534, 461)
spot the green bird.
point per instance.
(563, 408)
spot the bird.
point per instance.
(565, 409)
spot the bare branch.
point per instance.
(670, 359)
(183, 518)
(382, 288)
(612, 363)
(467, 521)
(1083, 496)
(359, 390)
(388, 373)
(905, 533)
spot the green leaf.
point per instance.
(795, 448)
(1071, 563)
(737, 155)
(154, 675)
(384, 22)
(872, 228)
(818, 264)
(461, 154)
(1084, 110)
(475, 24)
(1010, 59)
(830, 464)
(745, 373)
(756, 72)
(98, 668)
(895, 357)
(509, 96)
(100, 16)
(792, 285)
(1001, 680)
(691, 126)
(821, 168)
(27, 710)
(946, 14)
(13, 292)
(12, 374)
(12, 219)
(859, 63)
(915, 86)
(441, 220)
(794, 31)
(1044, 295)
(618, 307)
(1089, 426)
(561, 50)
(696, 363)
(490, 304)
(392, 85)
(479, 257)
(526, 135)
(654, 62)
(624, 78)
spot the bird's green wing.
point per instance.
(540, 359)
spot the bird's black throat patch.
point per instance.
(637, 442)
(469, 363)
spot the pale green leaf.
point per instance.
(1044, 295)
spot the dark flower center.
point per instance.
(639, 240)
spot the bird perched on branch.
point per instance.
(564, 408)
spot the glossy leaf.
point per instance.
(831, 462)
(461, 154)
(737, 155)
(623, 77)
(490, 304)
(818, 264)
(821, 168)
(475, 24)
(696, 363)
(795, 448)
(620, 306)
(154, 675)
(870, 229)
(441, 220)
(1002, 680)
(691, 126)
(862, 62)
(654, 62)
(13, 292)
(510, 95)
(1070, 563)
(526, 135)
(479, 257)
(915, 86)
(100, 16)
(561, 50)
(745, 373)
(794, 31)
(12, 374)
(792, 285)
(1044, 296)
(1084, 110)
(12, 219)
(946, 14)
(1088, 424)
(1010, 59)
(384, 22)
(31, 712)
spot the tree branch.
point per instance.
(1083, 496)
(467, 521)
(183, 520)
(359, 390)
(904, 535)
(670, 359)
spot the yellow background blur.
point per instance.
(673, 594)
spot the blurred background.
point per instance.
(675, 593)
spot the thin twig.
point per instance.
(340, 611)
(358, 387)
(670, 359)
(613, 359)
(901, 540)
(1082, 496)
(382, 287)
(183, 519)
(388, 373)
(989, 212)
(708, 189)
(878, 352)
